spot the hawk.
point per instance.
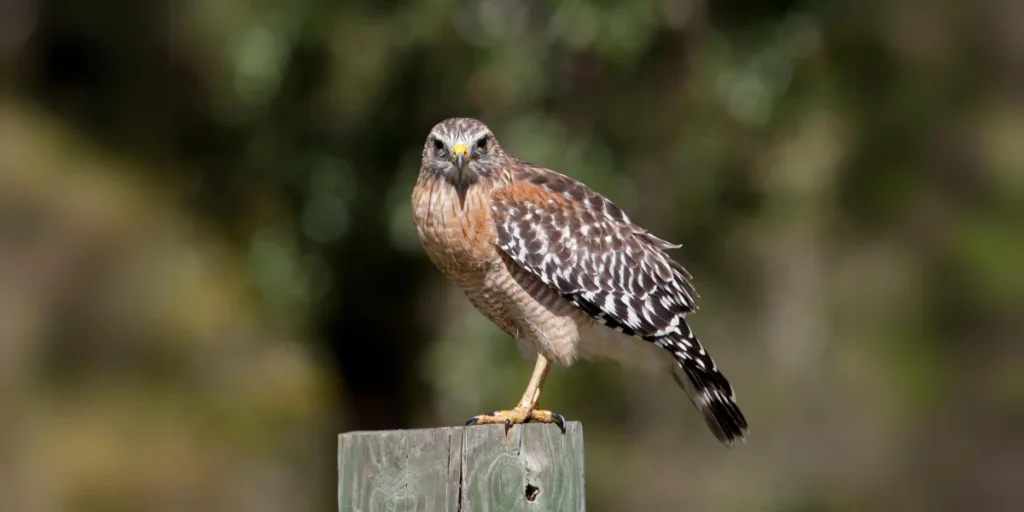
(561, 270)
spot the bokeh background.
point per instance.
(208, 267)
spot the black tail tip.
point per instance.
(723, 417)
(712, 394)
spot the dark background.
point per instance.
(208, 267)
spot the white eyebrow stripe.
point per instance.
(461, 130)
(463, 139)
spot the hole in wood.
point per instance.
(532, 492)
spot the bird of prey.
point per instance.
(561, 270)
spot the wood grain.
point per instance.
(497, 470)
(462, 469)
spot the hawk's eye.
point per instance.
(438, 145)
(481, 144)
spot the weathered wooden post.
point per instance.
(462, 469)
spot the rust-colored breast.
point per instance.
(458, 238)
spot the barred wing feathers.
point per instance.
(587, 249)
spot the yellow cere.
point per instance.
(459, 149)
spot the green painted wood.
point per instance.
(400, 470)
(496, 471)
(462, 469)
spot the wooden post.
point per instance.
(462, 469)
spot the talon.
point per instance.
(559, 420)
(508, 425)
(473, 420)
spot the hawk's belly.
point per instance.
(539, 319)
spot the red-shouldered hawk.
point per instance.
(560, 269)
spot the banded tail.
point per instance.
(706, 387)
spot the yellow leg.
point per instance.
(525, 411)
(532, 393)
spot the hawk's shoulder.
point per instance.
(567, 188)
(578, 242)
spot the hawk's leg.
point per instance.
(525, 411)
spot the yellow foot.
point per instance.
(518, 415)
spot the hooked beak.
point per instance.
(459, 157)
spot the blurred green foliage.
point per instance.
(208, 266)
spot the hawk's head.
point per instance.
(462, 151)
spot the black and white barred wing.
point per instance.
(579, 243)
(584, 247)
